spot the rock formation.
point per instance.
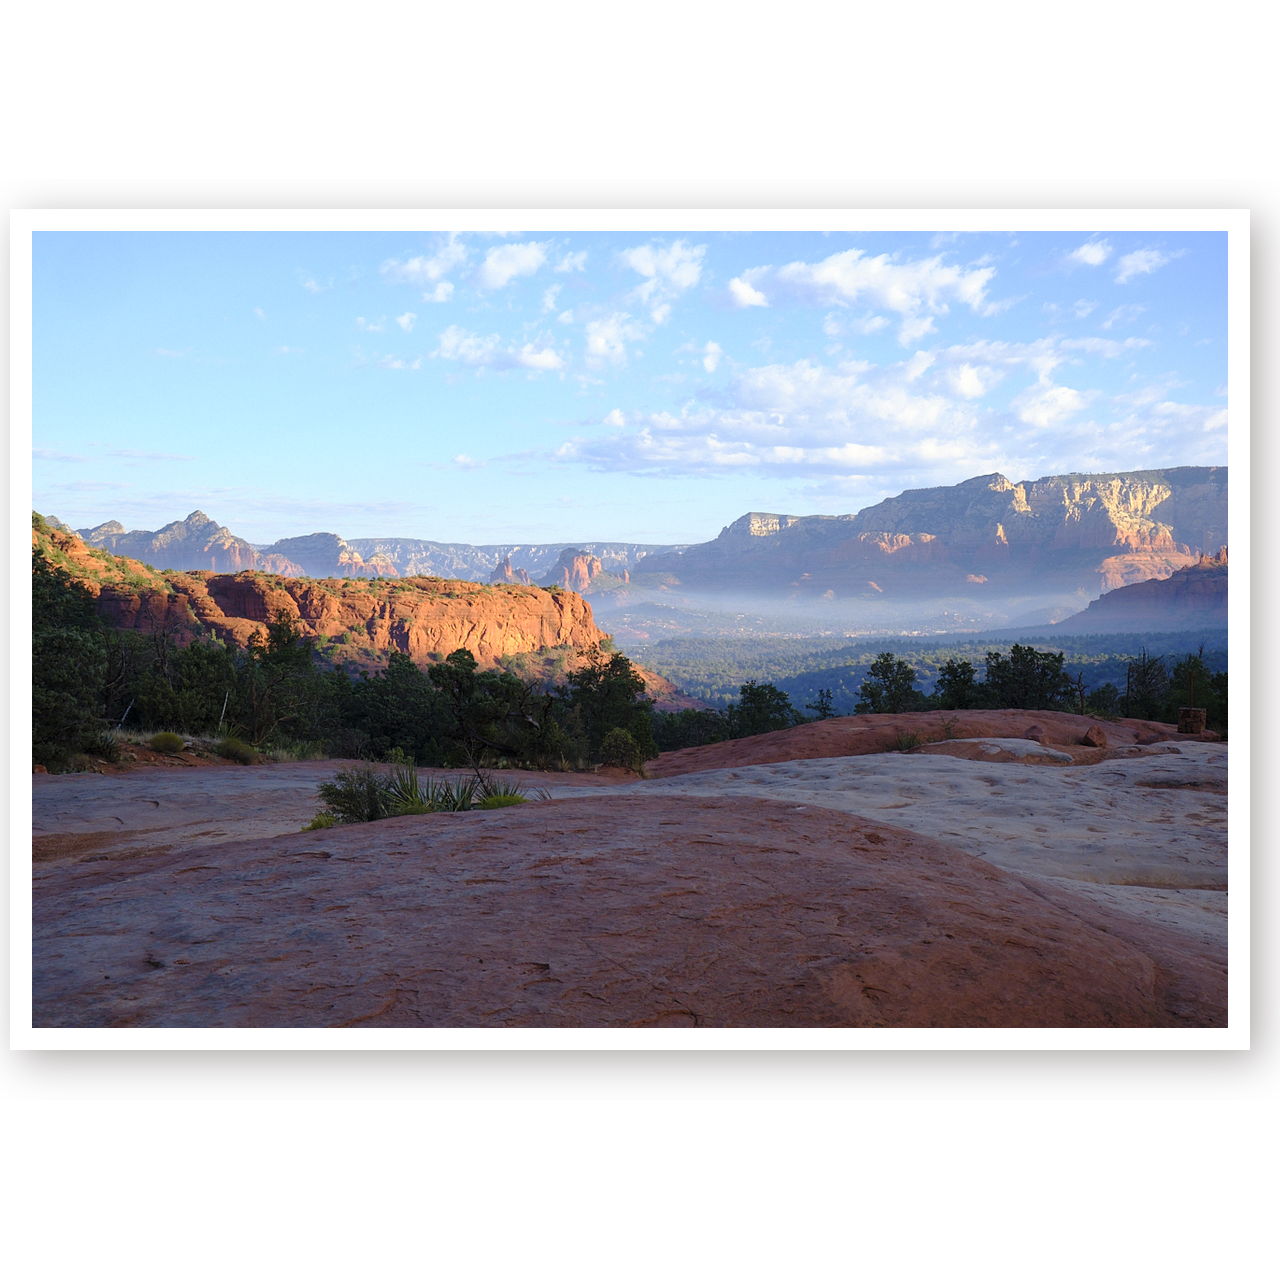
(505, 573)
(194, 543)
(426, 618)
(1191, 597)
(580, 571)
(988, 534)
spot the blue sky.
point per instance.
(650, 387)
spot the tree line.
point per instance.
(277, 692)
(1025, 678)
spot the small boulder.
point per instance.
(1035, 733)
(1094, 737)
(39, 768)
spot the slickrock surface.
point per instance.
(1156, 818)
(767, 896)
(861, 735)
(592, 911)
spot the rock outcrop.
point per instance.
(580, 571)
(426, 618)
(194, 543)
(1082, 533)
(505, 573)
(1191, 597)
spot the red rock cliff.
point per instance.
(426, 618)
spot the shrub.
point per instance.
(234, 749)
(907, 741)
(320, 822)
(356, 795)
(168, 744)
(107, 748)
(501, 802)
(620, 749)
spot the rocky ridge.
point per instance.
(425, 618)
(1080, 532)
(1192, 596)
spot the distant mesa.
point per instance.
(1067, 533)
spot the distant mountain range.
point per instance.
(199, 542)
(988, 551)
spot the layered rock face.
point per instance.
(580, 571)
(505, 573)
(425, 618)
(194, 543)
(1076, 532)
(1194, 596)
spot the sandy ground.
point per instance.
(970, 882)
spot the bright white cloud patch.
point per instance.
(1045, 405)
(406, 321)
(506, 262)
(441, 293)
(745, 295)
(669, 271)
(607, 339)
(427, 268)
(711, 354)
(917, 290)
(1138, 263)
(573, 262)
(1093, 253)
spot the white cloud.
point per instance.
(607, 339)
(972, 382)
(467, 462)
(396, 363)
(427, 268)
(711, 355)
(573, 262)
(1093, 253)
(406, 321)
(549, 298)
(746, 296)
(1045, 405)
(369, 326)
(476, 352)
(915, 290)
(441, 293)
(1140, 262)
(506, 262)
(312, 285)
(469, 348)
(258, 311)
(531, 357)
(614, 419)
(1083, 309)
(1123, 315)
(669, 271)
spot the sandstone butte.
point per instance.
(426, 618)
